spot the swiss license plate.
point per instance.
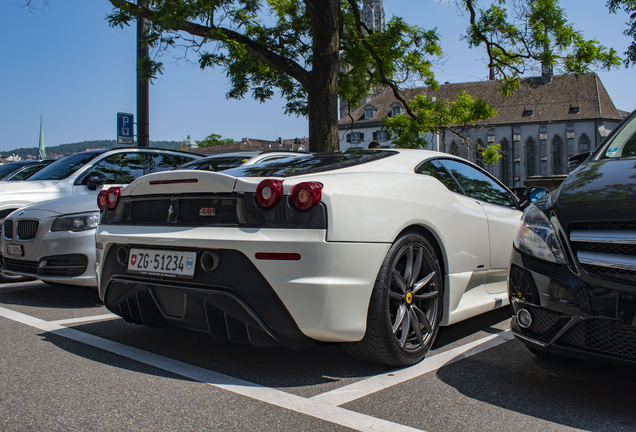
(162, 262)
(14, 250)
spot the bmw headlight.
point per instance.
(79, 222)
(537, 237)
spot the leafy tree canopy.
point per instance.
(214, 140)
(314, 51)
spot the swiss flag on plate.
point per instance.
(133, 259)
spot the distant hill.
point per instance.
(65, 149)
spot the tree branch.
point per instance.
(257, 50)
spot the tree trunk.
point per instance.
(322, 94)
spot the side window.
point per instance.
(164, 162)
(478, 185)
(435, 169)
(121, 167)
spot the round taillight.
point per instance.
(101, 200)
(269, 192)
(306, 195)
(112, 197)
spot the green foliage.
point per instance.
(537, 38)
(270, 46)
(432, 116)
(214, 140)
(629, 7)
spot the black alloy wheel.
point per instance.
(405, 306)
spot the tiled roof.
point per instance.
(549, 102)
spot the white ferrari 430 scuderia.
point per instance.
(372, 248)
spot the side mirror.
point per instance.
(534, 193)
(95, 179)
(528, 195)
(576, 160)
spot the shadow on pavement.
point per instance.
(40, 294)
(576, 393)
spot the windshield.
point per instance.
(216, 163)
(623, 144)
(311, 163)
(64, 167)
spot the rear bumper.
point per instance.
(323, 296)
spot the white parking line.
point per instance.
(275, 397)
(324, 406)
(104, 317)
(376, 383)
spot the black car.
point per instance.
(21, 170)
(572, 280)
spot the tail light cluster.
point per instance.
(108, 198)
(304, 196)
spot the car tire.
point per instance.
(405, 308)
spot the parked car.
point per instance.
(21, 170)
(226, 160)
(372, 248)
(54, 240)
(573, 270)
(62, 250)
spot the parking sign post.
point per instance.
(125, 128)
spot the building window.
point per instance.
(368, 114)
(396, 109)
(477, 153)
(504, 162)
(584, 144)
(531, 157)
(574, 110)
(355, 137)
(527, 113)
(380, 136)
(454, 149)
(557, 156)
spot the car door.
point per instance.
(118, 169)
(502, 214)
(471, 230)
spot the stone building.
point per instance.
(538, 128)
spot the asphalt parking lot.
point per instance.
(67, 364)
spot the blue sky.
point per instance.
(66, 63)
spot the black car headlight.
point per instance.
(79, 222)
(537, 237)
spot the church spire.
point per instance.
(42, 152)
(373, 15)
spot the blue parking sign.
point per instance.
(125, 132)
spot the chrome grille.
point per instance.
(606, 249)
(7, 229)
(27, 229)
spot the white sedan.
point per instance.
(372, 248)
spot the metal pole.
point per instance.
(143, 129)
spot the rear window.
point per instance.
(64, 167)
(216, 164)
(8, 168)
(311, 163)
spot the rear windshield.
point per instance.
(64, 167)
(8, 168)
(311, 163)
(216, 164)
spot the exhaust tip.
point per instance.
(122, 256)
(209, 261)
